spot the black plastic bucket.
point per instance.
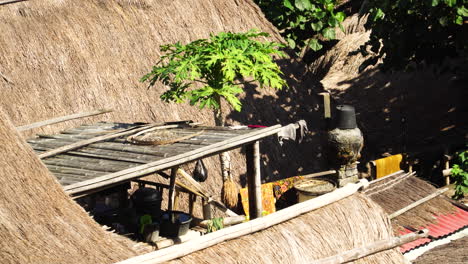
(179, 227)
(346, 117)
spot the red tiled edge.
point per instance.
(445, 225)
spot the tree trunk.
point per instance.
(224, 157)
(229, 190)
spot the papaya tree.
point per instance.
(208, 72)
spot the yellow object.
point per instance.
(268, 199)
(388, 165)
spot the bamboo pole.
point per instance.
(63, 119)
(253, 180)
(12, 2)
(252, 226)
(227, 221)
(381, 245)
(172, 181)
(418, 202)
(86, 142)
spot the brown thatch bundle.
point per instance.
(352, 222)
(62, 57)
(401, 190)
(39, 223)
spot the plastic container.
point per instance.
(311, 188)
(179, 227)
(346, 117)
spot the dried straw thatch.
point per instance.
(397, 192)
(39, 223)
(454, 253)
(61, 56)
(349, 223)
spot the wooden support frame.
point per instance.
(177, 251)
(254, 180)
(172, 182)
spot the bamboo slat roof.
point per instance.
(104, 164)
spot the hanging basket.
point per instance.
(159, 137)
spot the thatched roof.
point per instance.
(352, 222)
(400, 190)
(39, 223)
(454, 253)
(63, 57)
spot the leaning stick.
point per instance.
(205, 194)
(357, 253)
(418, 202)
(62, 119)
(243, 229)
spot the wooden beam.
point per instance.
(169, 162)
(381, 245)
(252, 155)
(418, 202)
(246, 228)
(62, 119)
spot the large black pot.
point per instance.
(147, 201)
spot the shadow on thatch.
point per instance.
(349, 223)
(396, 111)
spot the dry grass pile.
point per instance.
(39, 223)
(353, 222)
(402, 190)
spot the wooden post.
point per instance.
(253, 180)
(192, 200)
(170, 204)
(206, 209)
(447, 167)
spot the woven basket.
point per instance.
(159, 137)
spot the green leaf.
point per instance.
(443, 21)
(340, 16)
(378, 14)
(330, 7)
(459, 20)
(317, 26)
(450, 3)
(315, 45)
(462, 11)
(434, 3)
(329, 33)
(303, 4)
(287, 4)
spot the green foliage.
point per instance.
(405, 31)
(220, 65)
(303, 22)
(460, 175)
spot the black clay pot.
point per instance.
(147, 201)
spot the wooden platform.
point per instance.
(107, 163)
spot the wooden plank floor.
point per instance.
(96, 160)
